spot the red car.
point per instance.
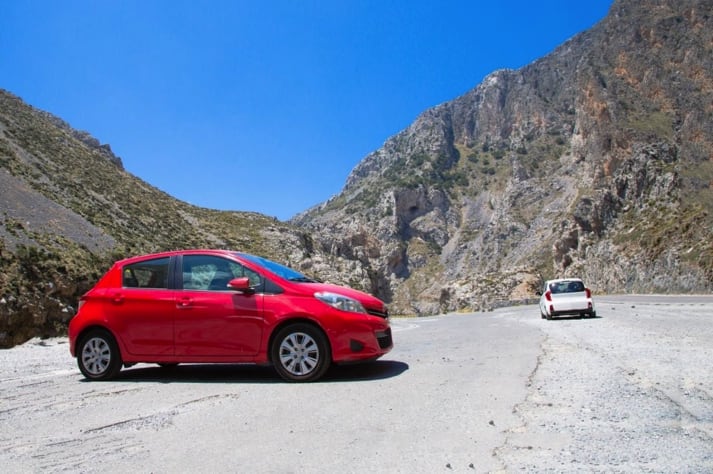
(219, 306)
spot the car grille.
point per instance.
(384, 338)
(381, 314)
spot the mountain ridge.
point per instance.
(595, 160)
(609, 130)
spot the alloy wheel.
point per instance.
(299, 353)
(96, 356)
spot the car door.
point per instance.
(212, 320)
(142, 309)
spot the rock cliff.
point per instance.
(595, 161)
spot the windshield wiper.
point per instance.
(302, 279)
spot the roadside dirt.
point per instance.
(629, 391)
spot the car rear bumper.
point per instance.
(572, 312)
(569, 307)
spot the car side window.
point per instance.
(146, 274)
(207, 272)
(241, 271)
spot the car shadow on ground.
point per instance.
(246, 373)
(377, 370)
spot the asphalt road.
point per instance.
(629, 391)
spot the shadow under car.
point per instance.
(250, 373)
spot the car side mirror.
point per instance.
(241, 284)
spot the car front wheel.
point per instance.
(98, 356)
(300, 353)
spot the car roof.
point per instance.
(171, 253)
(558, 280)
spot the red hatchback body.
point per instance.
(219, 306)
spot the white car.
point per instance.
(566, 297)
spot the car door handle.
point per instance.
(184, 303)
(117, 298)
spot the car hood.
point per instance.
(364, 298)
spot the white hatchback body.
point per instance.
(566, 297)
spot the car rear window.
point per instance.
(566, 287)
(146, 274)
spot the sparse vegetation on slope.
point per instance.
(69, 210)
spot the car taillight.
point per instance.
(548, 295)
(588, 293)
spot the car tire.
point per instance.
(300, 353)
(548, 316)
(98, 355)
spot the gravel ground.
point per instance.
(630, 391)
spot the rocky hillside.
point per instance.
(68, 209)
(595, 161)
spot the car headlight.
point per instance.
(341, 302)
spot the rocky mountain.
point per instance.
(68, 209)
(595, 161)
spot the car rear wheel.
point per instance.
(300, 353)
(98, 355)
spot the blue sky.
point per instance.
(263, 105)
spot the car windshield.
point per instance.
(280, 270)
